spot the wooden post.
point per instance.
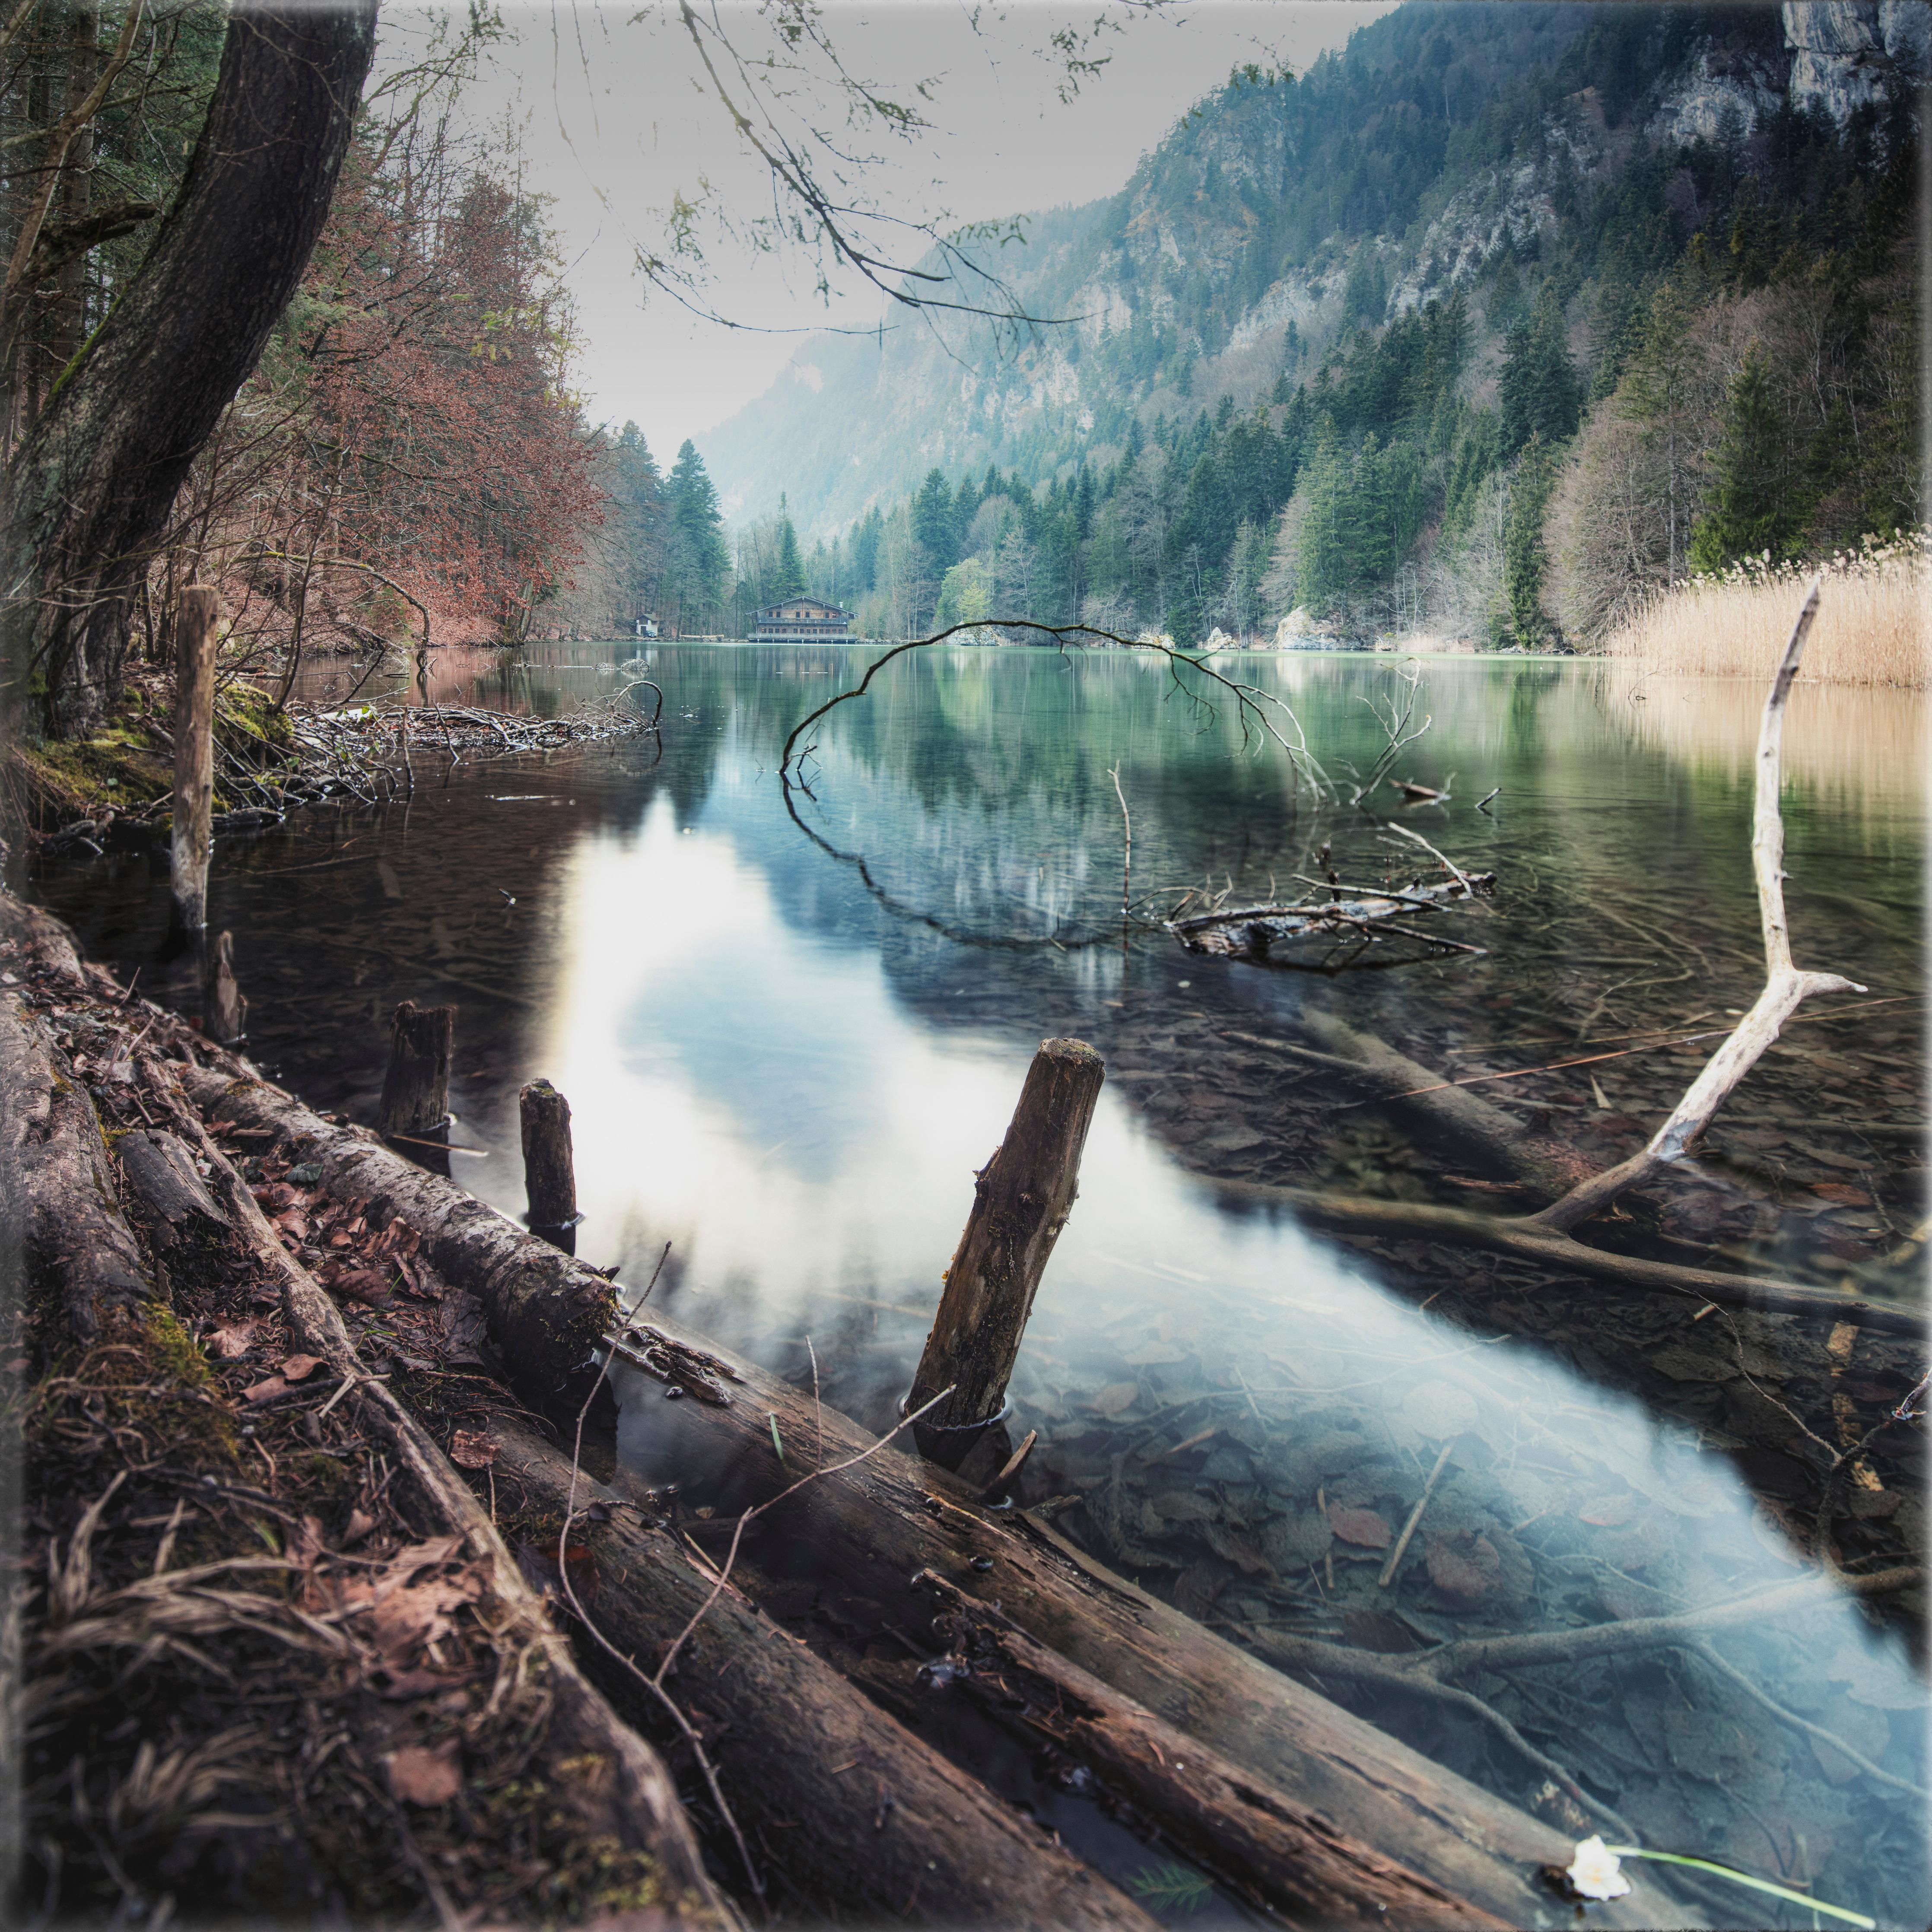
(415, 1091)
(1021, 1200)
(194, 755)
(224, 1009)
(549, 1174)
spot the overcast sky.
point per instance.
(615, 123)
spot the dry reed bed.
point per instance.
(1872, 627)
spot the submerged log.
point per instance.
(1249, 932)
(893, 1514)
(853, 1810)
(1020, 1201)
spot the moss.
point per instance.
(176, 1353)
(125, 763)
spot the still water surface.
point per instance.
(786, 1055)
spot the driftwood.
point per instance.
(852, 1809)
(604, 1771)
(893, 1515)
(1249, 932)
(1020, 1201)
(1547, 1237)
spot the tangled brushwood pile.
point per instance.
(270, 757)
(275, 1654)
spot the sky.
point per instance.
(616, 122)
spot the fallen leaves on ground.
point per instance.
(420, 1776)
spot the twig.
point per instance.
(1449, 864)
(1395, 1555)
(1731, 1674)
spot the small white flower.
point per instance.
(1595, 1872)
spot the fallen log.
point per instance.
(1281, 1857)
(59, 1197)
(907, 1516)
(856, 1812)
(548, 1311)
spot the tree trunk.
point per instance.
(1020, 1203)
(90, 490)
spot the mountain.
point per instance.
(1517, 184)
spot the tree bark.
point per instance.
(549, 1173)
(1020, 1201)
(90, 490)
(416, 1089)
(57, 1185)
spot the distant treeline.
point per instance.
(1710, 352)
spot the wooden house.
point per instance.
(802, 619)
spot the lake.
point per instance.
(789, 1042)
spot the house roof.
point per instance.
(814, 607)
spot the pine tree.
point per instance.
(932, 521)
(1539, 392)
(789, 574)
(700, 561)
(1757, 507)
(1659, 390)
(1525, 562)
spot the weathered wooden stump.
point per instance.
(195, 643)
(1023, 1197)
(224, 1007)
(416, 1089)
(550, 1174)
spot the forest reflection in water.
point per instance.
(789, 1070)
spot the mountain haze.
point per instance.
(1445, 241)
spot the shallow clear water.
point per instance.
(786, 1055)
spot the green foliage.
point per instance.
(1539, 392)
(699, 563)
(1172, 1887)
(1757, 507)
(1525, 560)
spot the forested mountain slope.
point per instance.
(1366, 342)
